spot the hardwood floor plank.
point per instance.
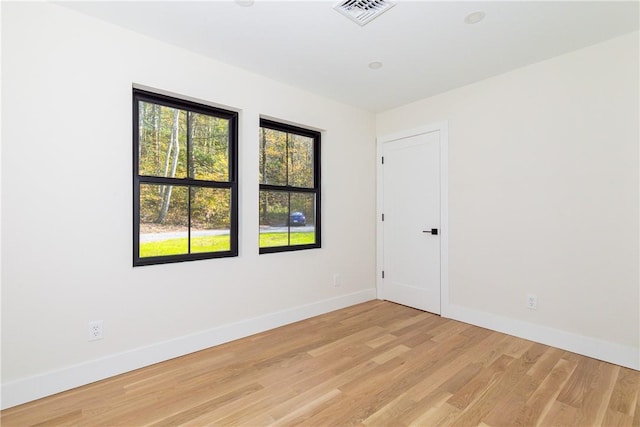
(561, 414)
(439, 413)
(416, 414)
(443, 332)
(540, 402)
(67, 419)
(420, 393)
(247, 408)
(501, 387)
(517, 347)
(422, 319)
(625, 392)
(484, 353)
(375, 317)
(204, 408)
(338, 371)
(415, 338)
(363, 396)
(384, 339)
(388, 355)
(373, 364)
(506, 412)
(461, 378)
(480, 383)
(330, 384)
(366, 395)
(307, 407)
(578, 384)
(362, 336)
(595, 404)
(546, 363)
(617, 419)
(390, 413)
(424, 322)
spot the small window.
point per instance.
(289, 188)
(185, 201)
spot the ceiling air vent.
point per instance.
(363, 11)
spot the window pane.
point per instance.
(163, 220)
(210, 219)
(273, 157)
(300, 161)
(302, 219)
(209, 148)
(274, 211)
(162, 148)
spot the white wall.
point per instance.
(543, 198)
(67, 207)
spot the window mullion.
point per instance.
(189, 194)
(183, 181)
(288, 218)
(271, 187)
(286, 163)
(189, 153)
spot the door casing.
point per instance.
(443, 128)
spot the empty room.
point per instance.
(314, 213)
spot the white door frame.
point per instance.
(443, 128)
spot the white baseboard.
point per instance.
(38, 386)
(598, 349)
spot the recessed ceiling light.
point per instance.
(475, 17)
(245, 3)
(375, 65)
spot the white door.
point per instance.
(411, 224)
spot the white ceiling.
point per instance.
(426, 47)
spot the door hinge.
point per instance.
(383, 274)
(383, 217)
(383, 160)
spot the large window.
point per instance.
(185, 200)
(289, 188)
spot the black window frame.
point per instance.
(316, 190)
(231, 184)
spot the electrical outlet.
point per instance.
(532, 302)
(96, 330)
(336, 280)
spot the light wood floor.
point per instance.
(374, 364)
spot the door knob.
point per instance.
(433, 231)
